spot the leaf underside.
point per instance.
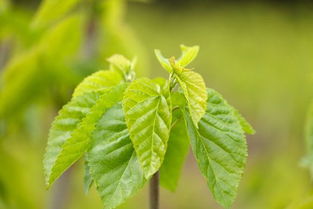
(220, 148)
(112, 159)
(148, 117)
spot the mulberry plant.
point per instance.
(132, 130)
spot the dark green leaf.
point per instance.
(220, 148)
(178, 147)
(112, 159)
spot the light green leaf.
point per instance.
(69, 135)
(98, 81)
(178, 147)
(112, 159)
(121, 63)
(220, 148)
(194, 90)
(148, 116)
(88, 180)
(163, 61)
(188, 55)
(52, 10)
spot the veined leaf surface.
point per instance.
(194, 90)
(98, 81)
(220, 148)
(178, 147)
(148, 116)
(69, 135)
(112, 159)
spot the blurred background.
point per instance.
(258, 54)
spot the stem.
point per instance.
(154, 191)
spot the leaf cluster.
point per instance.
(129, 128)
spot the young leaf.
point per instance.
(163, 61)
(97, 81)
(69, 135)
(52, 10)
(148, 117)
(120, 63)
(178, 147)
(194, 90)
(188, 55)
(112, 159)
(220, 148)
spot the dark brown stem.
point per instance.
(154, 191)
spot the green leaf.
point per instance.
(148, 117)
(220, 148)
(112, 159)
(52, 10)
(98, 81)
(188, 55)
(194, 90)
(177, 151)
(88, 180)
(69, 136)
(163, 61)
(121, 63)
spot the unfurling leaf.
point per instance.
(220, 148)
(120, 63)
(163, 61)
(69, 135)
(192, 83)
(178, 147)
(112, 159)
(148, 117)
(188, 55)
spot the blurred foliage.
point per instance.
(54, 50)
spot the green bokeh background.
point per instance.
(258, 55)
